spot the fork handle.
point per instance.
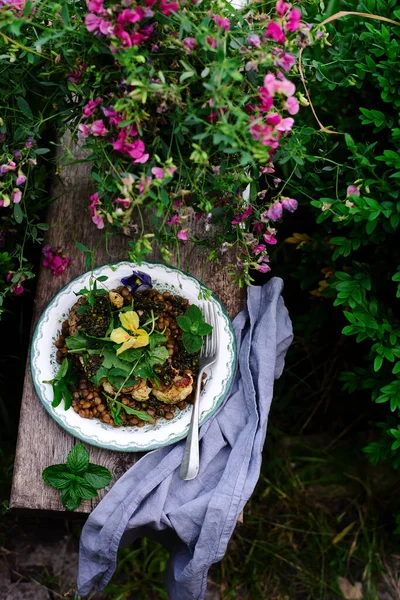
(190, 460)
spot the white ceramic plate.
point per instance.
(130, 439)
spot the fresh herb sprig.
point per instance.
(194, 329)
(78, 479)
(61, 384)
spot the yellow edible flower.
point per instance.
(130, 322)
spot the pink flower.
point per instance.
(266, 99)
(91, 106)
(282, 7)
(285, 124)
(213, 42)
(190, 44)
(17, 155)
(253, 40)
(84, 130)
(97, 219)
(124, 201)
(273, 119)
(173, 220)
(144, 184)
(95, 5)
(290, 204)
(182, 235)
(269, 238)
(131, 16)
(292, 105)
(285, 61)
(352, 189)
(21, 178)
(241, 217)
(270, 84)
(16, 196)
(274, 213)
(168, 7)
(17, 287)
(4, 201)
(136, 151)
(222, 22)
(114, 117)
(94, 23)
(29, 142)
(258, 249)
(55, 260)
(275, 32)
(163, 173)
(284, 86)
(263, 268)
(294, 20)
(98, 128)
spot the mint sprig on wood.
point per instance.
(78, 479)
(194, 329)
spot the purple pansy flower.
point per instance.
(138, 281)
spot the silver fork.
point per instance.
(208, 355)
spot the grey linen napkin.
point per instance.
(195, 519)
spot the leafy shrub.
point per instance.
(352, 183)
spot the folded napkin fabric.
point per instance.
(195, 519)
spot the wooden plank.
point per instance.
(41, 442)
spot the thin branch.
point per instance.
(335, 17)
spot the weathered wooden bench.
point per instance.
(41, 442)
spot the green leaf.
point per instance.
(62, 371)
(42, 150)
(378, 363)
(70, 498)
(18, 214)
(77, 341)
(184, 323)
(97, 476)
(85, 491)
(57, 476)
(156, 339)
(204, 328)
(132, 355)
(159, 355)
(192, 343)
(82, 247)
(194, 313)
(78, 459)
(24, 106)
(100, 373)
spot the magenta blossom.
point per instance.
(273, 119)
(144, 184)
(285, 124)
(285, 61)
(294, 20)
(124, 201)
(263, 267)
(97, 219)
(91, 106)
(137, 151)
(131, 16)
(222, 22)
(258, 249)
(253, 40)
(98, 128)
(114, 117)
(17, 288)
(190, 44)
(213, 42)
(275, 32)
(274, 213)
(29, 142)
(17, 155)
(241, 217)
(182, 235)
(352, 189)
(55, 260)
(163, 173)
(282, 7)
(173, 220)
(289, 204)
(94, 23)
(269, 237)
(21, 179)
(84, 130)
(168, 7)
(95, 5)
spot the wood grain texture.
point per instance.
(41, 442)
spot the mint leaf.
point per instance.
(78, 459)
(159, 355)
(133, 354)
(77, 341)
(70, 498)
(194, 313)
(100, 373)
(85, 490)
(204, 329)
(156, 339)
(57, 476)
(97, 476)
(62, 370)
(192, 343)
(184, 323)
